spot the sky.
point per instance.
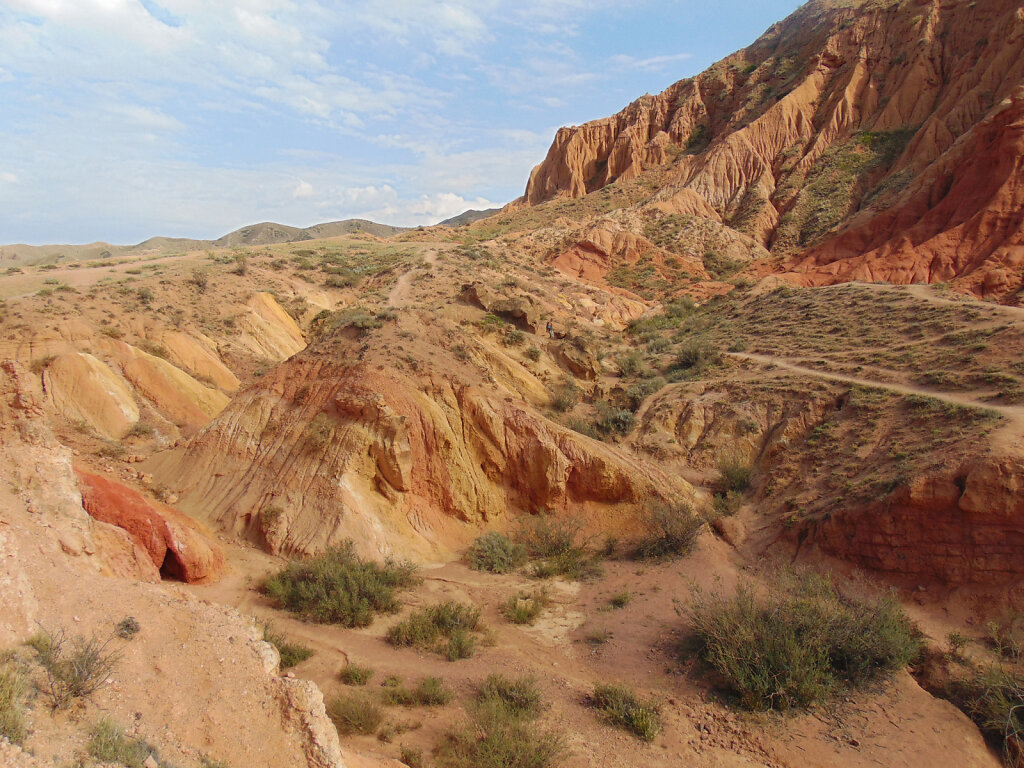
(125, 119)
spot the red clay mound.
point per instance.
(178, 545)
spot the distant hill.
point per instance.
(468, 217)
(265, 233)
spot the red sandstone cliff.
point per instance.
(876, 142)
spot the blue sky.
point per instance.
(123, 119)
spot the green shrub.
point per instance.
(495, 552)
(796, 645)
(75, 668)
(354, 674)
(672, 531)
(443, 628)
(621, 708)
(338, 587)
(566, 396)
(612, 420)
(726, 504)
(290, 653)
(460, 645)
(13, 687)
(525, 607)
(355, 713)
(630, 364)
(533, 353)
(494, 738)
(994, 699)
(558, 548)
(411, 756)
(695, 356)
(734, 472)
(109, 744)
(127, 628)
(520, 698)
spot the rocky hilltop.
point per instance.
(855, 141)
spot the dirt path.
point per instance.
(1011, 433)
(399, 295)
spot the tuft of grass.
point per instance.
(338, 587)
(354, 674)
(430, 692)
(109, 744)
(13, 687)
(355, 713)
(495, 552)
(290, 653)
(520, 698)
(672, 531)
(801, 642)
(621, 599)
(75, 667)
(525, 607)
(623, 709)
(444, 628)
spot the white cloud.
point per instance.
(8, 178)
(652, 64)
(303, 190)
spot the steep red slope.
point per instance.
(846, 139)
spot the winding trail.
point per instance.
(399, 295)
(1009, 434)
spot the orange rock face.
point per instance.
(178, 546)
(770, 141)
(951, 530)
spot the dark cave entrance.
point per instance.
(171, 568)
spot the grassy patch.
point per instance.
(520, 698)
(355, 713)
(445, 628)
(495, 552)
(290, 653)
(354, 674)
(430, 692)
(501, 733)
(109, 744)
(13, 687)
(525, 607)
(623, 709)
(338, 587)
(801, 642)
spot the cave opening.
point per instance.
(171, 568)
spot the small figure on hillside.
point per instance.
(551, 329)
